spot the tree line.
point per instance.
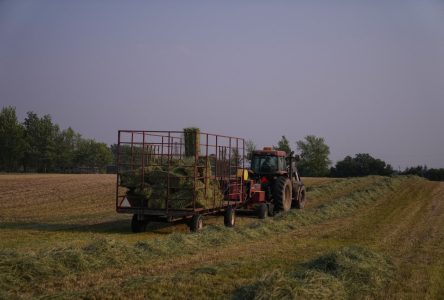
(39, 145)
(423, 171)
(314, 162)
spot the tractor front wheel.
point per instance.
(282, 194)
(300, 203)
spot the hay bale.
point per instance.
(191, 138)
(151, 191)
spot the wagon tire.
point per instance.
(137, 225)
(230, 217)
(196, 223)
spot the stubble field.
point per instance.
(358, 238)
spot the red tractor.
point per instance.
(274, 184)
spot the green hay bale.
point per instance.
(181, 187)
(160, 179)
(129, 180)
(191, 138)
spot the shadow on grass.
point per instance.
(114, 226)
(122, 225)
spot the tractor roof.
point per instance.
(270, 151)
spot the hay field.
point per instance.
(363, 238)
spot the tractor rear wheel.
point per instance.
(196, 223)
(262, 211)
(138, 225)
(282, 194)
(229, 217)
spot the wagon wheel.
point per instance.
(196, 223)
(138, 225)
(230, 217)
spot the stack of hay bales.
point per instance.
(177, 182)
(182, 186)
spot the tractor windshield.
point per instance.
(264, 164)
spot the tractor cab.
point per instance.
(268, 162)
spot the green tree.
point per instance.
(40, 134)
(91, 154)
(102, 155)
(435, 174)
(423, 171)
(283, 145)
(39, 145)
(114, 151)
(66, 143)
(314, 154)
(12, 142)
(418, 170)
(363, 164)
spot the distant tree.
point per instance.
(250, 146)
(345, 168)
(38, 145)
(31, 155)
(114, 149)
(103, 155)
(361, 165)
(40, 134)
(12, 142)
(66, 144)
(435, 174)
(132, 155)
(91, 154)
(314, 154)
(423, 171)
(418, 170)
(283, 145)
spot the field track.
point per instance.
(60, 237)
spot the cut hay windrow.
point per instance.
(344, 273)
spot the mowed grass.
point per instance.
(370, 237)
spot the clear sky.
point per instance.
(368, 76)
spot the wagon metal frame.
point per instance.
(139, 149)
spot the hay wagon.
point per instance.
(178, 175)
